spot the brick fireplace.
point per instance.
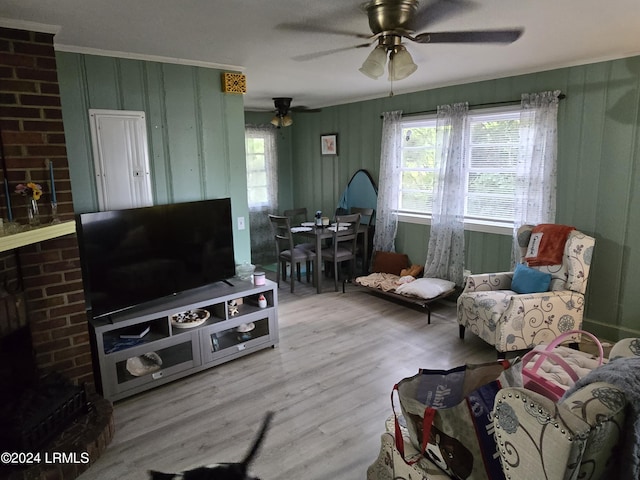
(41, 283)
(46, 274)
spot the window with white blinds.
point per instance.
(491, 160)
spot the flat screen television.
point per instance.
(134, 256)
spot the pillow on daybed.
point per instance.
(414, 270)
(425, 287)
(389, 262)
(529, 280)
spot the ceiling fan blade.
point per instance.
(477, 36)
(305, 110)
(438, 10)
(308, 27)
(312, 56)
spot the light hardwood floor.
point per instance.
(328, 382)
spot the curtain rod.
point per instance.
(562, 96)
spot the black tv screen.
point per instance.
(133, 256)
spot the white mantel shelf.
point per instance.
(47, 232)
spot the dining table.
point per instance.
(320, 233)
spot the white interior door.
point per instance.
(121, 159)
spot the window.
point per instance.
(417, 169)
(494, 143)
(259, 150)
(492, 146)
(262, 189)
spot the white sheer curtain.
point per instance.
(262, 192)
(535, 198)
(445, 253)
(389, 184)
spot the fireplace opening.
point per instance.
(34, 408)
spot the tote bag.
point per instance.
(449, 416)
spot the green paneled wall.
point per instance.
(196, 143)
(195, 132)
(598, 178)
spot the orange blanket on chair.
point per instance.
(546, 245)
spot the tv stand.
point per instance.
(128, 358)
(228, 283)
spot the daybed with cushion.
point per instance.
(394, 277)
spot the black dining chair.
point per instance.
(343, 246)
(287, 252)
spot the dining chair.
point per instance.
(343, 245)
(364, 250)
(287, 252)
(297, 216)
(366, 215)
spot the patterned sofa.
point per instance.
(510, 321)
(536, 437)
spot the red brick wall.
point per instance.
(32, 132)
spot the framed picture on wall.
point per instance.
(329, 144)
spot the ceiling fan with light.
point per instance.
(392, 21)
(283, 108)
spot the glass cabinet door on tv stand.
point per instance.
(182, 335)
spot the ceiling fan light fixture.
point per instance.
(373, 66)
(282, 117)
(401, 64)
(279, 121)
(287, 121)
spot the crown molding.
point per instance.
(149, 58)
(31, 26)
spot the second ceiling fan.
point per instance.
(283, 108)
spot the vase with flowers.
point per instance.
(32, 192)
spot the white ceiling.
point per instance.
(242, 35)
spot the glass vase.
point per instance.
(32, 212)
(54, 213)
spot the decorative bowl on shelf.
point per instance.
(144, 364)
(190, 318)
(244, 329)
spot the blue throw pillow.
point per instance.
(529, 280)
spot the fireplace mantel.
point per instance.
(35, 235)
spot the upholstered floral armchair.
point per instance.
(584, 435)
(490, 308)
